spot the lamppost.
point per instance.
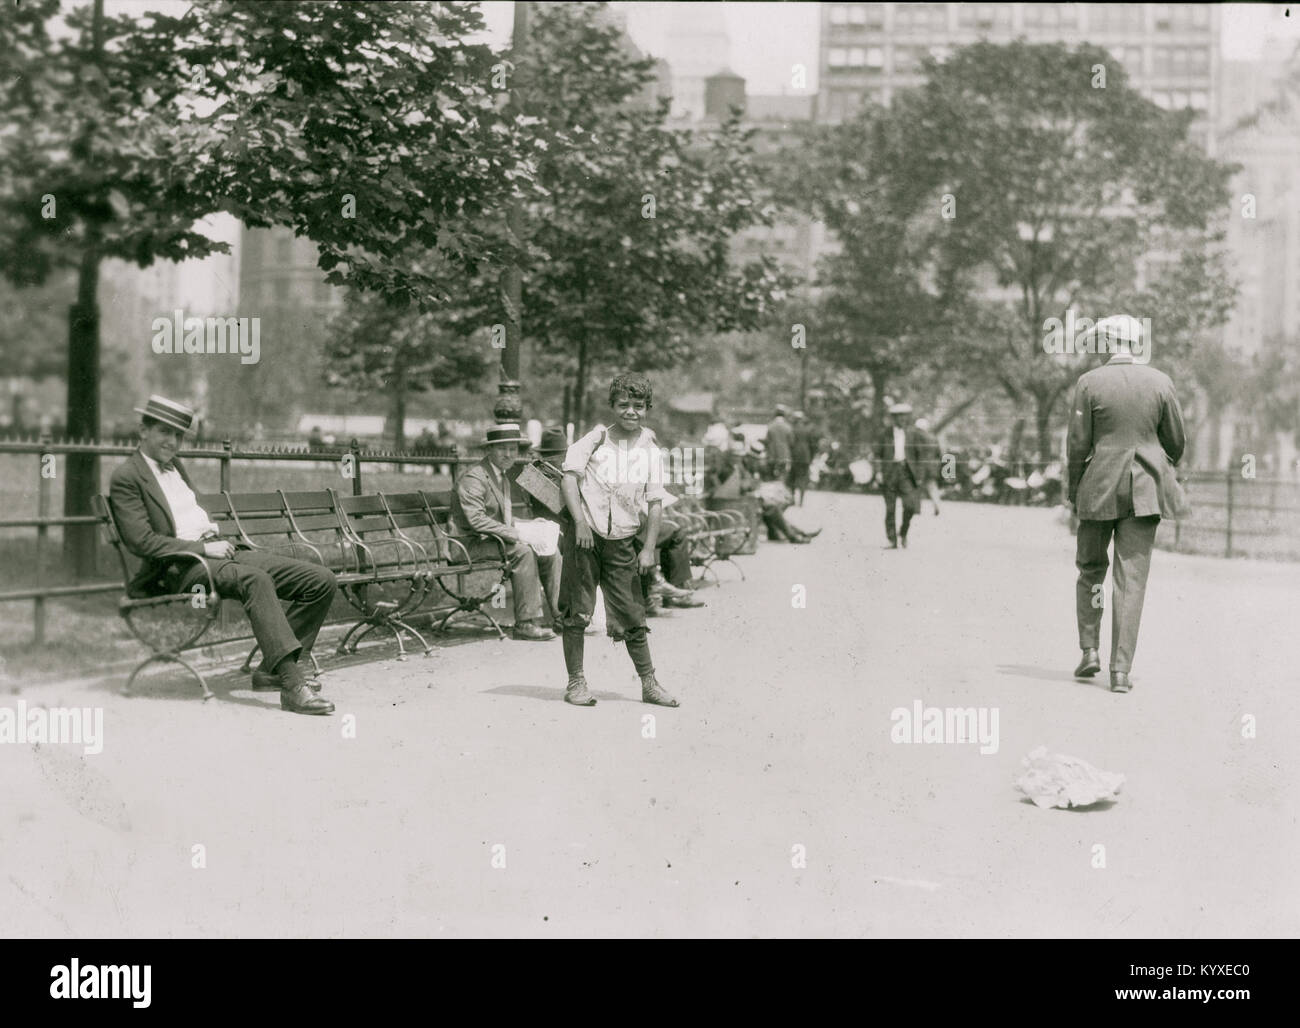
(509, 407)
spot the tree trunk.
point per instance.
(399, 406)
(82, 470)
(1043, 417)
(580, 388)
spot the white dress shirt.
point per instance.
(191, 521)
(617, 481)
(900, 444)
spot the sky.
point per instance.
(767, 39)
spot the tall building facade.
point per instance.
(869, 51)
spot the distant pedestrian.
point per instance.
(803, 447)
(1125, 439)
(902, 468)
(780, 436)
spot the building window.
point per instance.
(1115, 17)
(1200, 100)
(1160, 98)
(1198, 60)
(984, 16)
(1160, 61)
(838, 57)
(284, 250)
(857, 15)
(839, 14)
(857, 57)
(920, 16)
(875, 15)
(875, 57)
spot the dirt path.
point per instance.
(781, 748)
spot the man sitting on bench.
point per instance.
(482, 503)
(158, 517)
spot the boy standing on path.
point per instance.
(609, 475)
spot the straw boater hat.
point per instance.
(900, 408)
(505, 434)
(159, 408)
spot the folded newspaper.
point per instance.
(1055, 780)
(539, 533)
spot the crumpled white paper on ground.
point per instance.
(1056, 780)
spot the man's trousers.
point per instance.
(527, 573)
(259, 581)
(896, 484)
(1134, 538)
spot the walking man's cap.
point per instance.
(1121, 327)
(901, 408)
(177, 415)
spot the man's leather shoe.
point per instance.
(1119, 682)
(1089, 665)
(578, 694)
(301, 700)
(687, 599)
(533, 632)
(266, 682)
(903, 539)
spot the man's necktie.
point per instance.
(507, 515)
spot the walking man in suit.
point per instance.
(903, 460)
(161, 523)
(482, 503)
(1125, 438)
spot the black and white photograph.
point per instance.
(647, 471)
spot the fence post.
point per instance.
(1228, 532)
(42, 511)
(354, 448)
(225, 465)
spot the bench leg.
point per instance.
(398, 623)
(167, 658)
(470, 607)
(343, 643)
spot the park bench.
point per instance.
(370, 542)
(714, 536)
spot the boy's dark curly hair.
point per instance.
(636, 386)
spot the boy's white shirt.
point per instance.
(616, 484)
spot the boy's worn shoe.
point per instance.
(652, 692)
(577, 692)
(531, 631)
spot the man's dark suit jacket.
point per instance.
(919, 452)
(145, 523)
(1125, 418)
